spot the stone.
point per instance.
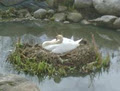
(107, 7)
(66, 22)
(83, 3)
(85, 22)
(24, 13)
(26, 86)
(116, 23)
(59, 17)
(62, 8)
(106, 19)
(16, 83)
(40, 13)
(50, 12)
(74, 17)
(118, 31)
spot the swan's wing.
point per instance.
(51, 47)
(66, 40)
(65, 47)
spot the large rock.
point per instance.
(59, 17)
(116, 24)
(107, 6)
(83, 3)
(16, 83)
(74, 17)
(41, 13)
(11, 2)
(106, 20)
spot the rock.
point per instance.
(74, 17)
(85, 22)
(111, 7)
(51, 12)
(41, 13)
(24, 13)
(118, 31)
(83, 3)
(66, 22)
(59, 17)
(106, 19)
(116, 23)
(26, 86)
(46, 20)
(10, 2)
(62, 8)
(16, 83)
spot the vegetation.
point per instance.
(10, 13)
(37, 61)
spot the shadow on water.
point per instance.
(37, 32)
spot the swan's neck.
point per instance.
(47, 43)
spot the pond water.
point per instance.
(37, 32)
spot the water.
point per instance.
(37, 32)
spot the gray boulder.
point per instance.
(106, 20)
(74, 17)
(40, 13)
(16, 83)
(83, 3)
(111, 7)
(116, 23)
(59, 17)
(50, 12)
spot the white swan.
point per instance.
(61, 44)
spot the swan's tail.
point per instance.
(72, 38)
(78, 41)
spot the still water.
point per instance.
(36, 32)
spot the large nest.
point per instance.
(80, 56)
(36, 60)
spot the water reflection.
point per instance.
(35, 32)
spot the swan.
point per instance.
(61, 44)
(50, 45)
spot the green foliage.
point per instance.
(10, 13)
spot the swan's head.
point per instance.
(59, 38)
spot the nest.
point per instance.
(82, 55)
(36, 60)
